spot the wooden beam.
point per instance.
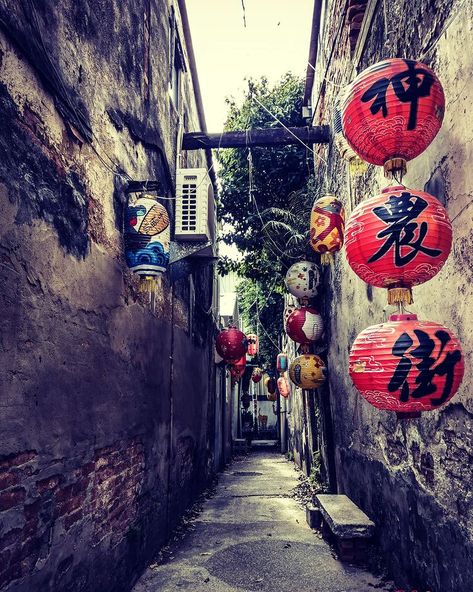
(257, 137)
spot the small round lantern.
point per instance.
(327, 221)
(397, 240)
(282, 362)
(256, 375)
(302, 280)
(147, 237)
(304, 325)
(271, 385)
(406, 365)
(253, 344)
(231, 344)
(283, 387)
(308, 371)
(392, 111)
(237, 369)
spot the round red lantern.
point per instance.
(304, 325)
(231, 344)
(271, 386)
(253, 344)
(327, 221)
(398, 239)
(237, 369)
(282, 362)
(393, 110)
(407, 365)
(256, 375)
(283, 387)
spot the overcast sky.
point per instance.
(274, 41)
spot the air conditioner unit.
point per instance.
(195, 207)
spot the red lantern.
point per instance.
(393, 110)
(406, 365)
(304, 325)
(327, 222)
(253, 343)
(271, 386)
(257, 375)
(238, 368)
(398, 239)
(283, 387)
(231, 344)
(282, 362)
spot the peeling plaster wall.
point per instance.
(413, 478)
(106, 402)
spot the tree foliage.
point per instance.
(270, 224)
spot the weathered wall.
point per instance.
(413, 478)
(106, 403)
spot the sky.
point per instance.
(275, 40)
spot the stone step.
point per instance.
(344, 518)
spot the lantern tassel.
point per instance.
(326, 259)
(400, 295)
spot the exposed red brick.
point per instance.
(10, 499)
(16, 460)
(8, 479)
(31, 510)
(72, 519)
(49, 483)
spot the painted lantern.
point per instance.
(393, 110)
(283, 387)
(231, 344)
(356, 165)
(304, 325)
(282, 362)
(256, 375)
(253, 344)
(308, 371)
(398, 239)
(302, 279)
(147, 236)
(327, 221)
(406, 365)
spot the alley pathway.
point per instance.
(252, 536)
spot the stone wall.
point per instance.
(106, 401)
(414, 478)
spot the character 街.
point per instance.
(427, 366)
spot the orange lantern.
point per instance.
(392, 111)
(397, 240)
(253, 344)
(327, 222)
(407, 365)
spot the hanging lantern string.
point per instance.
(289, 131)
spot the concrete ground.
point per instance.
(252, 536)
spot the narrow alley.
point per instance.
(253, 536)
